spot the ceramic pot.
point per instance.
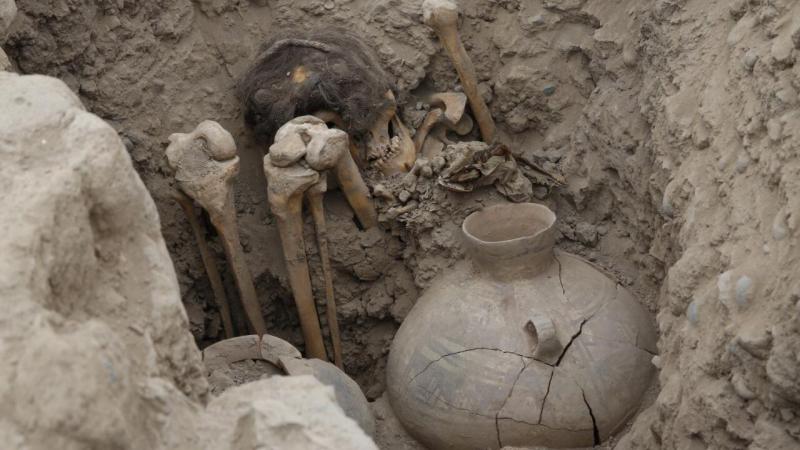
(520, 344)
(285, 359)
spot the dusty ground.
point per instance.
(674, 121)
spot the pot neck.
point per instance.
(511, 241)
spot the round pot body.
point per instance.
(519, 345)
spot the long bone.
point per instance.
(285, 193)
(209, 262)
(305, 150)
(442, 16)
(325, 150)
(355, 190)
(315, 195)
(205, 164)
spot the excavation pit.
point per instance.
(608, 116)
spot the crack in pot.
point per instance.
(574, 430)
(596, 431)
(560, 280)
(547, 393)
(464, 351)
(572, 339)
(510, 393)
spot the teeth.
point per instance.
(383, 154)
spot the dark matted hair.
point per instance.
(343, 75)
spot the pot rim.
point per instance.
(539, 240)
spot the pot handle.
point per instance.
(548, 348)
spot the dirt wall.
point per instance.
(673, 121)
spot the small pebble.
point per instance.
(666, 207)
(756, 341)
(774, 130)
(724, 285)
(750, 59)
(629, 55)
(744, 290)
(536, 20)
(329, 5)
(740, 387)
(114, 22)
(779, 228)
(549, 90)
(691, 313)
(404, 196)
(656, 361)
(438, 164)
(742, 162)
(426, 171)
(380, 191)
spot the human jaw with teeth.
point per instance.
(392, 151)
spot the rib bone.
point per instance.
(205, 164)
(442, 16)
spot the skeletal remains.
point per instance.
(442, 16)
(298, 86)
(298, 163)
(209, 262)
(297, 166)
(450, 390)
(205, 163)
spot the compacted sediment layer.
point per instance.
(675, 124)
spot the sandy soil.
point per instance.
(674, 122)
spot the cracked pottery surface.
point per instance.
(464, 371)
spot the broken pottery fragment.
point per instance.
(284, 359)
(520, 345)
